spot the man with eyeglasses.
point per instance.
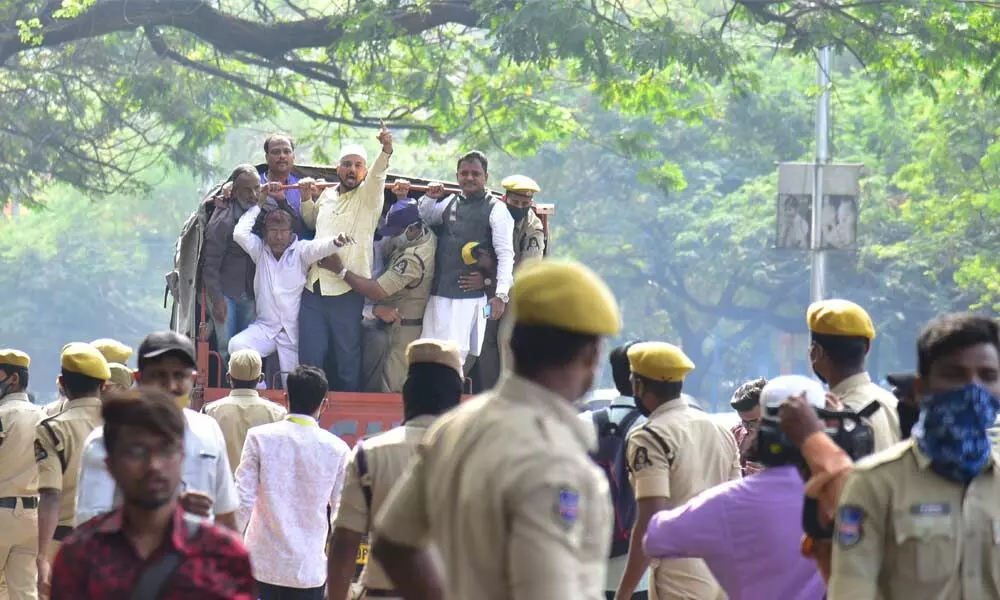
(149, 547)
(167, 362)
(746, 403)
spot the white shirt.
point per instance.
(206, 470)
(501, 226)
(290, 472)
(278, 284)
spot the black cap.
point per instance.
(902, 381)
(164, 342)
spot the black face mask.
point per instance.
(517, 213)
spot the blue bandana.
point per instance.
(952, 431)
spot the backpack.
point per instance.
(611, 458)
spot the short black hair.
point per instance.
(663, 390)
(847, 352)
(277, 136)
(77, 385)
(956, 331)
(146, 408)
(621, 370)
(21, 372)
(747, 396)
(474, 155)
(430, 389)
(306, 386)
(539, 347)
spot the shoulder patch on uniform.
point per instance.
(533, 243)
(641, 460)
(400, 267)
(568, 506)
(850, 525)
(40, 453)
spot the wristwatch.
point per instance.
(503, 297)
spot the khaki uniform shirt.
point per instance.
(529, 238)
(18, 419)
(387, 456)
(70, 428)
(356, 213)
(504, 487)
(237, 413)
(54, 408)
(903, 532)
(679, 453)
(856, 392)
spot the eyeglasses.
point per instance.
(144, 454)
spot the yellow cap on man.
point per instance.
(840, 317)
(113, 350)
(520, 183)
(120, 375)
(245, 365)
(659, 361)
(14, 358)
(427, 350)
(566, 295)
(84, 359)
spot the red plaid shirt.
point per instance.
(98, 562)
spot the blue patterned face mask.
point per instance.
(952, 431)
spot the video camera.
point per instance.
(850, 433)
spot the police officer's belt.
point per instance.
(62, 532)
(369, 593)
(11, 502)
(411, 322)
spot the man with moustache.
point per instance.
(331, 310)
(167, 362)
(149, 547)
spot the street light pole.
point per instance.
(817, 284)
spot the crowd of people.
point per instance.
(284, 254)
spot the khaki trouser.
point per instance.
(383, 356)
(18, 551)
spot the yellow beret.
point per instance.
(113, 350)
(566, 295)
(520, 183)
(84, 359)
(14, 358)
(438, 352)
(840, 317)
(659, 361)
(120, 374)
(467, 253)
(245, 365)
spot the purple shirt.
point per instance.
(294, 197)
(748, 531)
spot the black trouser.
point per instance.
(635, 595)
(332, 323)
(266, 591)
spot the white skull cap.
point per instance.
(355, 149)
(777, 391)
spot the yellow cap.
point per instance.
(467, 253)
(14, 358)
(245, 365)
(84, 359)
(520, 183)
(438, 352)
(566, 295)
(659, 361)
(113, 350)
(840, 317)
(120, 374)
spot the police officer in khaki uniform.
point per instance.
(243, 408)
(434, 386)
(921, 520)
(503, 486)
(58, 445)
(529, 242)
(18, 479)
(400, 295)
(842, 333)
(678, 453)
(114, 352)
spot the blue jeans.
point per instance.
(240, 313)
